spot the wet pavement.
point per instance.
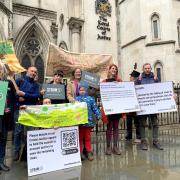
(132, 164)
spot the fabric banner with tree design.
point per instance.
(67, 61)
(58, 115)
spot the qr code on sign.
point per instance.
(69, 139)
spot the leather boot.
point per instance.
(108, 151)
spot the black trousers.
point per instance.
(129, 122)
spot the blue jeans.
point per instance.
(3, 140)
(17, 132)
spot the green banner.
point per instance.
(59, 115)
(3, 93)
(6, 47)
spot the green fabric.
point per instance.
(49, 116)
(6, 48)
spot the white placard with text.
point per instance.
(52, 149)
(118, 97)
(156, 98)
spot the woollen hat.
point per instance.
(135, 74)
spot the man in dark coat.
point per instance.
(28, 95)
(147, 77)
(132, 116)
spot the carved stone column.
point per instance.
(10, 21)
(75, 26)
(54, 31)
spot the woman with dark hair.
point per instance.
(113, 120)
(73, 85)
(57, 80)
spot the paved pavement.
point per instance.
(133, 164)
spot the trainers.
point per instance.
(90, 156)
(144, 145)
(16, 156)
(3, 167)
(83, 157)
(108, 151)
(116, 151)
(157, 145)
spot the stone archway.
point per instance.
(32, 42)
(63, 45)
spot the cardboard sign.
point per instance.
(54, 91)
(91, 79)
(3, 93)
(156, 98)
(118, 97)
(52, 149)
(65, 174)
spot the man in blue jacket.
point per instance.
(147, 77)
(28, 94)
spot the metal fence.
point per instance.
(164, 119)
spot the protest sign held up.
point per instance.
(54, 91)
(118, 97)
(58, 58)
(59, 115)
(3, 93)
(91, 79)
(156, 98)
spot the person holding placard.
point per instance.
(57, 80)
(28, 94)
(147, 77)
(113, 120)
(73, 85)
(6, 120)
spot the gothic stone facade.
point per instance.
(132, 31)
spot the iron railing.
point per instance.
(164, 119)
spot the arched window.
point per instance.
(39, 64)
(63, 45)
(158, 69)
(155, 23)
(178, 31)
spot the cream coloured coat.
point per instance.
(71, 91)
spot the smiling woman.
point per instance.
(113, 120)
(73, 85)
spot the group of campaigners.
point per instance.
(29, 93)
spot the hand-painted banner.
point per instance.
(68, 61)
(58, 115)
(8, 56)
